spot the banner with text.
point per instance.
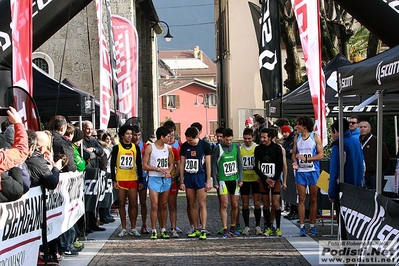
(20, 220)
(126, 43)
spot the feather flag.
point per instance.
(308, 18)
(105, 71)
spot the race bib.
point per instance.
(303, 164)
(192, 166)
(248, 162)
(126, 162)
(268, 169)
(230, 168)
(162, 162)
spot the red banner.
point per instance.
(105, 71)
(126, 57)
(308, 18)
(21, 24)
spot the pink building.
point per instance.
(187, 77)
(177, 98)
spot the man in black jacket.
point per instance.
(62, 145)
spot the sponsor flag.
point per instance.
(267, 28)
(308, 18)
(21, 25)
(126, 58)
(105, 71)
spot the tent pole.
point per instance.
(396, 134)
(379, 145)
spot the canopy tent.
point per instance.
(379, 75)
(299, 102)
(71, 101)
(380, 72)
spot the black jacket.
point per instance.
(40, 173)
(64, 146)
(11, 184)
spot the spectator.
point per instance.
(11, 185)
(353, 160)
(19, 149)
(354, 126)
(260, 123)
(369, 146)
(61, 145)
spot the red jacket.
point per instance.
(18, 152)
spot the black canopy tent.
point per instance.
(378, 75)
(299, 102)
(71, 101)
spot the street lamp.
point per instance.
(205, 103)
(167, 37)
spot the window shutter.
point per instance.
(177, 101)
(164, 102)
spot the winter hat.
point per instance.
(285, 129)
(78, 135)
(248, 121)
(9, 134)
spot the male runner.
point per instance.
(227, 178)
(126, 159)
(306, 155)
(158, 160)
(250, 182)
(268, 166)
(195, 169)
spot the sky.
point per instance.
(191, 23)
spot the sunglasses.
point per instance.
(352, 123)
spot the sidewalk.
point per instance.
(106, 248)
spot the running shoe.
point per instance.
(273, 230)
(122, 233)
(238, 227)
(78, 244)
(154, 235)
(165, 235)
(233, 231)
(313, 231)
(134, 232)
(194, 234)
(258, 231)
(302, 231)
(279, 233)
(268, 232)
(69, 252)
(202, 235)
(247, 231)
(221, 231)
(191, 230)
(175, 234)
(226, 233)
(178, 230)
(144, 230)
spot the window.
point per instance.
(41, 63)
(44, 62)
(212, 100)
(171, 101)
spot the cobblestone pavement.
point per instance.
(214, 251)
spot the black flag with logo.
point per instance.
(267, 27)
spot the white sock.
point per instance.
(301, 225)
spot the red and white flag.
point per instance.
(308, 18)
(105, 71)
(21, 25)
(127, 62)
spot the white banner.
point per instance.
(20, 220)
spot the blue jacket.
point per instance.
(354, 167)
(356, 132)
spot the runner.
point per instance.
(125, 171)
(268, 166)
(306, 155)
(158, 160)
(227, 178)
(250, 182)
(195, 169)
